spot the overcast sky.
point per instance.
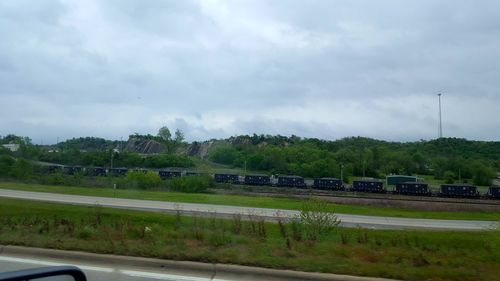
(325, 69)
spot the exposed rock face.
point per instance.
(199, 149)
(144, 146)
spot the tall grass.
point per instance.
(412, 255)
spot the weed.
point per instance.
(419, 260)
(296, 230)
(261, 225)
(288, 243)
(344, 237)
(281, 224)
(252, 218)
(86, 233)
(236, 223)
(178, 212)
(362, 236)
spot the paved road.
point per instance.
(99, 267)
(228, 211)
(100, 272)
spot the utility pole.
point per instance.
(440, 120)
(342, 173)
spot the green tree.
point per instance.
(21, 169)
(482, 174)
(6, 163)
(449, 177)
(178, 136)
(164, 134)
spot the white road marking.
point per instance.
(48, 263)
(133, 273)
(163, 276)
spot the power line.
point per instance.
(440, 119)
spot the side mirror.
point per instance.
(53, 273)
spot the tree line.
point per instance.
(448, 158)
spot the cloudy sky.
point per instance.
(325, 69)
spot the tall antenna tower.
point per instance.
(440, 120)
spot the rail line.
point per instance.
(387, 196)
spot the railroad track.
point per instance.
(387, 196)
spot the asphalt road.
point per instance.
(228, 211)
(100, 272)
(99, 267)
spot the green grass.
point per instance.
(408, 255)
(248, 201)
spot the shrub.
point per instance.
(21, 169)
(6, 163)
(139, 179)
(168, 160)
(86, 233)
(449, 177)
(482, 174)
(316, 219)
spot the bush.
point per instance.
(55, 179)
(449, 177)
(482, 174)
(139, 179)
(224, 155)
(316, 219)
(168, 160)
(21, 169)
(191, 184)
(86, 233)
(6, 163)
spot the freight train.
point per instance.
(290, 181)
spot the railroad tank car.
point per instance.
(117, 171)
(494, 192)
(412, 188)
(95, 171)
(168, 174)
(328, 184)
(291, 181)
(459, 190)
(374, 186)
(257, 180)
(226, 178)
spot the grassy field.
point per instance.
(409, 255)
(249, 201)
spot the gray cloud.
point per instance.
(327, 69)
